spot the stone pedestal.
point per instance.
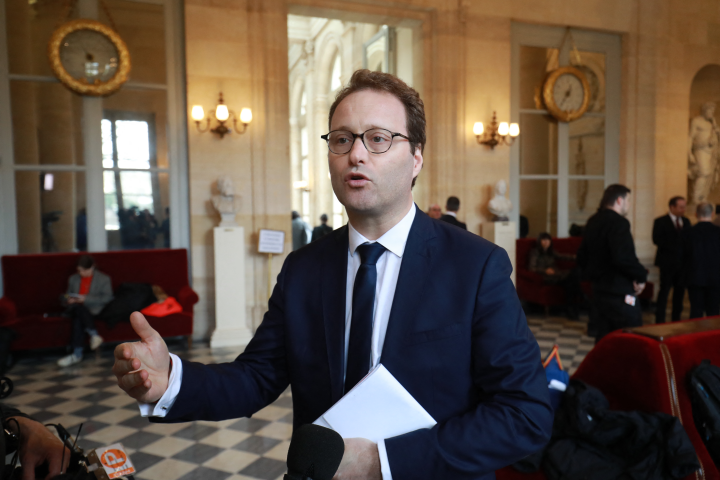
(502, 234)
(231, 328)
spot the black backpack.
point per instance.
(705, 397)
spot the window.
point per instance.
(133, 197)
(335, 79)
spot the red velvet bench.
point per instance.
(645, 368)
(33, 284)
(530, 286)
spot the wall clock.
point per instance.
(566, 93)
(89, 57)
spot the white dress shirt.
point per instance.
(388, 269)
(675, 221)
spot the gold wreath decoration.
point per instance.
(97, 89)
(549, 99)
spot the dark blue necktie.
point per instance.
(361, 322)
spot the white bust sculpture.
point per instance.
(226, 203)
(703, 153)
(499, 205)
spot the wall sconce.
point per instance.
(222, 115)
(496, 134)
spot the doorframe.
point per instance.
(586, 40)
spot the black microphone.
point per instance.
(315, 453)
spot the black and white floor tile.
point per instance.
(240, 449)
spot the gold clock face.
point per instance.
(89, 57)
(566, 93)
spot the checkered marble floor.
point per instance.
(239, 449)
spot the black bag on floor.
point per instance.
(129, 298)
(705, 397)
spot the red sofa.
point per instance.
(530, 286)
(646, 369)
(33, 284)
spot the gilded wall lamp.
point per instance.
(222, 115)
(496, 134)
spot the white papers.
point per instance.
(378, 407)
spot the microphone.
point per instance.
(315, 453)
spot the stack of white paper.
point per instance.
(378, 407)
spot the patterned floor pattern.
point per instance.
(240, 449)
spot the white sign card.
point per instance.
(271, 241)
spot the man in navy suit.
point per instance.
(434, 304)
(668, 235)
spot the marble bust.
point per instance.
(499, 205)
(226, 202)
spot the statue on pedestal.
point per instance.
(703, 154)
(226, 203)
(499, 205)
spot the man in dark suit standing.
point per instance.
(322, 229)
(451, 208)
(668, 236)
(607, 258)
(702, 257)
(434, 304)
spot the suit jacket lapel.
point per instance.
(334, 278)
(414, 270)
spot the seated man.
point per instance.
(543, 260)
(88, 292)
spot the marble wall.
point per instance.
(241, 48)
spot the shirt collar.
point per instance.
(673, 218)
(452, 214)
(394, 239)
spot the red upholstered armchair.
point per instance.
(530, 286)
(34, 283)
(647, 370)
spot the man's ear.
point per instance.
(417, 161)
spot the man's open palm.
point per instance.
(143, 368)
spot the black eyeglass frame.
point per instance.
(361, 136)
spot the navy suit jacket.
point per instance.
(457, 340)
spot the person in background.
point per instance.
(451, 208)
(81, 230)
(322, 229)
(716, 220)
(165, 228)
(607, 258)
(524, 226)
(702, 257)
(435, 211)
(89, 290)
(299, 231)
(668, 236)
(543, 260)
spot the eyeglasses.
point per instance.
(376, 140)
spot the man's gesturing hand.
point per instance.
(142, 368)
(360, 461)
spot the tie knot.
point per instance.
(370, 253)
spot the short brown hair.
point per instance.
(385, 82)
(86, 261)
